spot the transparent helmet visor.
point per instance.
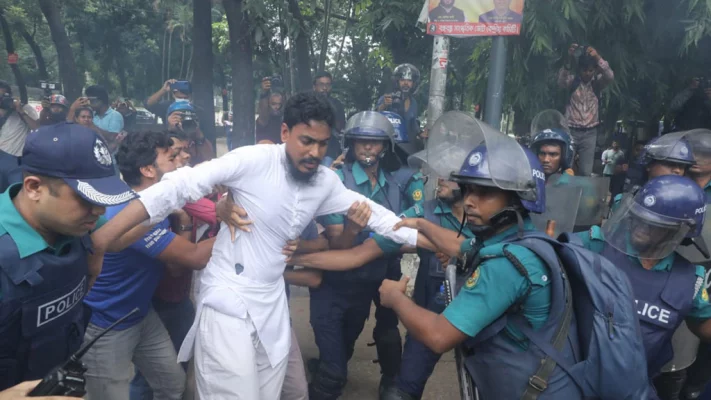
(700, 142)
(669, 146)
(548, 119)
(639, 232)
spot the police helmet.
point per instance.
(406, 71)
(668, 148)
(558, 136)
(666, 210)
(476, 171)
(58, 99)
(369, 125)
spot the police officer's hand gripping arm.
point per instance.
(343, 236)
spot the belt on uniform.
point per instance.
(580, 128)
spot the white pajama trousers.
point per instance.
(230, 361)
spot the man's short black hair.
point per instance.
(139, 149)
(323, 74)
(180, 135)
(306, 107)
(98, 92)
(5, 85)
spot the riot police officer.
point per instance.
(666, 155)
(642, 237)
(555, 151)
(341, 305)
(68, 180)
(497, 201)
(403, 108)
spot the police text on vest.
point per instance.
(653, 312)
(60, 306)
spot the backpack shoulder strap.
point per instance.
(538, 382)
(348, 179)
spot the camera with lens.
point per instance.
(580, 51)
(189, 122)
(397, 98)
(7, 102)
(48, 87)
(277, 81)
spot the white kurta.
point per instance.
(244, 277)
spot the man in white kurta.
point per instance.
(241, 335)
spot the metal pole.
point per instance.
(495, 88)
(438, 79)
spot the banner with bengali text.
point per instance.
(475, 17)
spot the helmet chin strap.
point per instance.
(507, 216)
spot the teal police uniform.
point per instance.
(496, 285)
(418, 361)
(341, 305)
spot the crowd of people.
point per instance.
(99, 222)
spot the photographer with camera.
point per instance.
(128, 111)
(405, 80)
(271, 110)
(323, 82)
(55, 109)
(182, 117)
(692, 106)
(16, 121)
(107, 122)
(582, 111)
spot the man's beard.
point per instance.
(298, 175)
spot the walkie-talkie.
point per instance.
(68, 379)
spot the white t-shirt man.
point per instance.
(15, 130)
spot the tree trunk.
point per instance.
(182, 54)
(162, 59)
(343, 40)
(10, 46)
(170, 50)
(324, 37)
(300, 37)
(242, 72)
(36, 50)
(189, 72)
(203, 65)
(65, 57)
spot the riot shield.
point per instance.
(562, 204)
(548, 119)
(691, 252)
(450, 141)
(593, 204)
(685, 345)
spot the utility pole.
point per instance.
(438, 79)
(495, 86)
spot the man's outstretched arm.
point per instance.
(177, 188)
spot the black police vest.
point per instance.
(42, 316)
(376, 270)
(663, 300)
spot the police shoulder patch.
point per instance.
(417, 195)
(705, 295)
(473, 280)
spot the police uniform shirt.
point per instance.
(447, 220)
(593, 240)
(496, 285)
(413, 193)
(707, 191)
(129, 278)
(26, 238)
